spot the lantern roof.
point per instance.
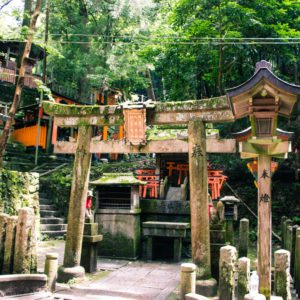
(265, 89)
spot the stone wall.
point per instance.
(18, 190)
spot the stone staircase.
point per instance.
(52, 224)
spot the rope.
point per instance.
(250, 210)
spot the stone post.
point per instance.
(51, 265)
(243, 284)
(9, 246)
(228, 256)
(71, 267)
(264, 243)
(289, 238)
(282, 274)
(297, 261)
(25, 260)
(3, 223)
(287, 223)
(187, 279)
(243, 237)
(199, 199)
(282, 227)
(293, 245)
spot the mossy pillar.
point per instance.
(76, 216)
(286, 223)
(198, 199)
(264, 225)
(243, 282)
(282, 274)
(25, 259)
(243, 237)
(228, 257)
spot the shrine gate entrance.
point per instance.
(252, 98)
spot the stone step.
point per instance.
(52, 220)
(47, 207)
(49, 213)
(45, 201)
(54, 233)
(53, 227)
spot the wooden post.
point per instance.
(264, 225)
(81, 170)
(198, 199)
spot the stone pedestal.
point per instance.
(121, 230)
(91, 238)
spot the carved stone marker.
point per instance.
(243, 237)
(3, 222)
(228, 256)
(282, 274)
(9, 246)
(243, 284)
(25, 260)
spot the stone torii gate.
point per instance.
(135, 117)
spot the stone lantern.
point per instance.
(230, 205)
(230, 215)
(262, 99)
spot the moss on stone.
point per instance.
(205, 104)
(77, 110)
(117, 179)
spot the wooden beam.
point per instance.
(253, 150)
(164, 146)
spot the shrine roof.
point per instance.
(262, 87)
(118, 179)
(246, 133)
(263, 71)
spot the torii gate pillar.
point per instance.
(71, 267)
(199, 199)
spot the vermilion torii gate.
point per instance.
(135, 117)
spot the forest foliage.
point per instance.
(183, 49)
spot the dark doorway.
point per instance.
(163, 248)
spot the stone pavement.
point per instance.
(117, 279)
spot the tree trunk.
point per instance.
(19, 81)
